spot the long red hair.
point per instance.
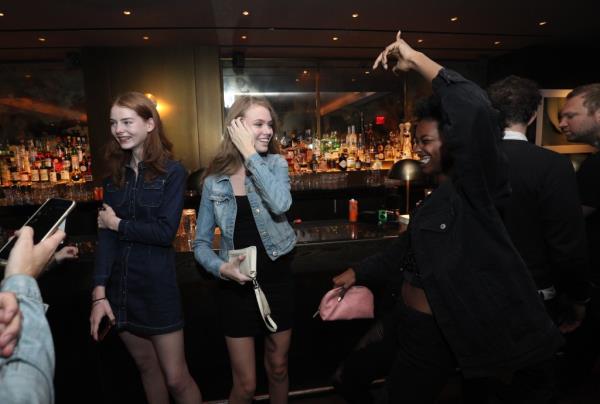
(157, 148)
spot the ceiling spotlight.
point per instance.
(42, 39)
(297, 80)
(454, 19)
(126, 12)
(335, 38)
(497, 42)
(305, 72)
(28, 76)
(542, 23)
(145, 37)
(246, 13)
(1, 14)
(353, 79)
(354, 15)
(419, 40)
(244, 37)
(367, 72)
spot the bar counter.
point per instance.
(324, 249)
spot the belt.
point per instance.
(548, 293)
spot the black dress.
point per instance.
(240, 316)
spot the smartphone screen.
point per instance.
(44, 222)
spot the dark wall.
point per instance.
(559, 66)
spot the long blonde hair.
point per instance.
(228, 159)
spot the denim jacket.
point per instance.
(150, 212)
(27, 375)
(268, 189)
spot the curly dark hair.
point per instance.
(516, 99)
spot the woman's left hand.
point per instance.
(107, 218)
(242, 137)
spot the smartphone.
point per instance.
(104, 327)
(45, 221)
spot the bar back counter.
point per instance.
(104, 372)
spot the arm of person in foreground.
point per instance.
(27, 375)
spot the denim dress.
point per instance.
(137, 262)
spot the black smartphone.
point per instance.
(104, 328)
(45, 221)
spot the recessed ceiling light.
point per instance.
(454, 19)
(335, 38)
(305, 72)
(367, 72)
(145, 37)
(354, 15)
(126, 12)
(42, 39)
(541, 23)
(297, 80)
(353, 79)
(246, 12)
(28, 76)
(419, 40)
(244, 37)
(497, 42)
(1, 14)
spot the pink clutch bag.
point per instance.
(346, 304)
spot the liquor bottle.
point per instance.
(342, 161)
(314, 163)
(407, 151)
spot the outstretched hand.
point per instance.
(407, 59)
(242, 137)
(398, 50)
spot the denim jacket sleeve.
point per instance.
(27, 375)
(162, 230)
(273, 185)
(472, 138)
(106, 251)
(205, 231)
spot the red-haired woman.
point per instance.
(134, 280)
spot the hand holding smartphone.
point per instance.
(45, 221)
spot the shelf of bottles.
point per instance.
(327, 163)
(49, 166)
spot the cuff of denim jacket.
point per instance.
(23, 285)
(122, 228)
(253, 160)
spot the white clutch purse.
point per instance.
(248, 265)
(248, 268)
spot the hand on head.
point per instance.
(28, 259)
(241, 136)
(10, 323)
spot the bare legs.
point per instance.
(161, 362)
(242, 357)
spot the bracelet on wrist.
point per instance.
(99, 299)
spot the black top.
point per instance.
(544, 219)
(588, 180)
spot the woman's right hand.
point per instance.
(100, 309)
(231, 270)
(346, 279)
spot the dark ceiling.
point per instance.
(286, 28)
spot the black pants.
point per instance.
(423, 362)
(371, 359)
